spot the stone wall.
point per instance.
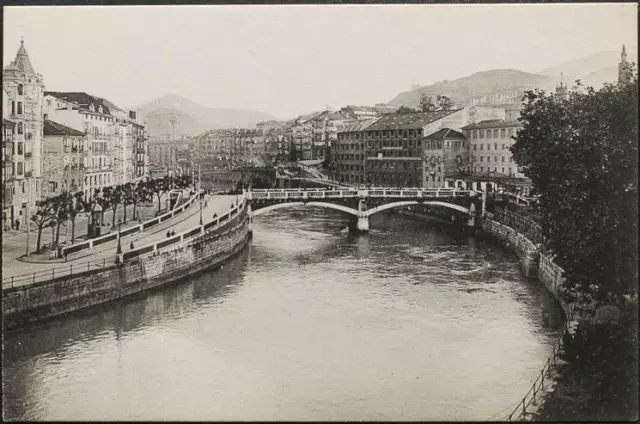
(36, 302)
(527, 251)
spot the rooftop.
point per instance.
(356, 126)
(446, 134)
(492, 123)
(409, 120)
(53, 128)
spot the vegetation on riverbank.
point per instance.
(581, 153)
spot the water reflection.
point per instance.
(413, 321)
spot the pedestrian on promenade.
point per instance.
(17, 224)
(173, 233)
(205, 203)
(131, 246)
(168, 234)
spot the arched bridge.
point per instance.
(362, 203)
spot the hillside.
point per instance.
(495, 86)
(193, 118)
(592, 70)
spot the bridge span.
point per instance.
(362, 203)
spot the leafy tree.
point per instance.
(140, 193)
(445, 103)
(404, 109)
(42, 218)
(127, 198)
(426, 105)
(159, 187)
(76, 205)
(60, 212)
(103, 197)
(581, 153)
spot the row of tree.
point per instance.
(65, 207)
(427, 105)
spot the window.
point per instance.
(502, 158)
(495, 158)
(481, 158)
(510, 132)
(20, 164)
(488, 146)
(20, 90)
(481, 146)
(475, 147)
(481, 133)
(502, 133)
(502, 170)
(13, 107)
(488, 159)
(495, 133)
(19, 108)
(20, 148)
(475, 134)
(20, 128)
(495, 146)
(482, 169)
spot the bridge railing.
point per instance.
(412, 193)
(523, 224)
(53, 273)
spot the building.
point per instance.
(22, 138)
(360, 112)
(624, 68)
(395, 147)
(445, 153)
(64, 152)
(348, 153)
(492, 164)
(325, 132)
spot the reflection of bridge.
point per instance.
(362, 203)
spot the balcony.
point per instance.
(7, 158)
(27, 155)
(28, 174)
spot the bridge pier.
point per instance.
(362, 226)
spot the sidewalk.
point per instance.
(11, 266)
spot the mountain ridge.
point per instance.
(193, 118)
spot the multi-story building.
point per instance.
(325, 132)
(360, 112)
(489, 147)
(65, 150)
(445, 153)
(24, 90)
(348, 153)
(395, 146)
(8, 166)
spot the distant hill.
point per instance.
(495, 86)
(506, 85)
(592, 70)
(193, 118)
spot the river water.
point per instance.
(414, 321)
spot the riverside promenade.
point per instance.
(15, 266)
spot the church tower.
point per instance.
(562, 91)
(624, 68)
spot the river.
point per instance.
(414, 321)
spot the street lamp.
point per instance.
(119, 248)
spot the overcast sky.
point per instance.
(288, 60)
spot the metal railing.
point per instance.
(520, 412)
(89, 244)
(80, 268)
(522, 224)
(411, 193)
(53, 273)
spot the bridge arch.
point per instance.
(413, 202)
(276, 206)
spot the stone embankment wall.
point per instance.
(532, 262)
(28, 304)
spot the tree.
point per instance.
(76, 205)
(127, 198)
(42, 218)
(159, 187)
(404, 109)
(581, 154)
(60, 212)
(445, 103)
(426, 105)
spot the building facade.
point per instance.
(445, 153)
(23, 92)
(490, 142)
(65, 150)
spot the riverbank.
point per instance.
(147, 268)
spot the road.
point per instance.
(218, 204)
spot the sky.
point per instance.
(289, 60)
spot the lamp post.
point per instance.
(200, 192)
(119, 248)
